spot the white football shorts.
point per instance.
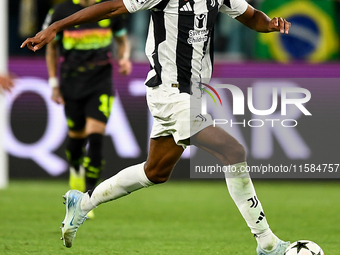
(174, 113)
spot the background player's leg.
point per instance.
(93, 161)
(163, 156)
(75, 149)
(230, 152)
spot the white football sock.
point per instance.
(267, 240)
(242, 191)
(123, 183)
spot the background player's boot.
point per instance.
(74, 216)
(279, 250)
(77, 178)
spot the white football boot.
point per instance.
(74, 216)
(279, 250)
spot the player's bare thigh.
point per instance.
(221, 144)
(92, 126)
(162, 158)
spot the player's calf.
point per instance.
(158, 174)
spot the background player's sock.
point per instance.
(123, 183)
(242, 191)
(75, 151)
(93, 161)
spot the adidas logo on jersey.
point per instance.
(186, 8)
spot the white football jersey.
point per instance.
(180, 39)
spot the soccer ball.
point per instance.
(304, 247)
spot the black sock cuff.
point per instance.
(95, 138)
(74, 148)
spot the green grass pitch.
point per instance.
(185, 218)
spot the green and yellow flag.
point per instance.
(314, 34)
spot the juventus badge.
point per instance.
(200, 21)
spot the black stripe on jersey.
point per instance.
(227, 3)
(162, 5)
(159, 35)
(184, 50)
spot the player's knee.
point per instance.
(77, 134)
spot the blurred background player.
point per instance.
(85, 85)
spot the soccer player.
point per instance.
(6, 82)
(179, 47)
(85, 85)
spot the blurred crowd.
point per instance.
(233, 42)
